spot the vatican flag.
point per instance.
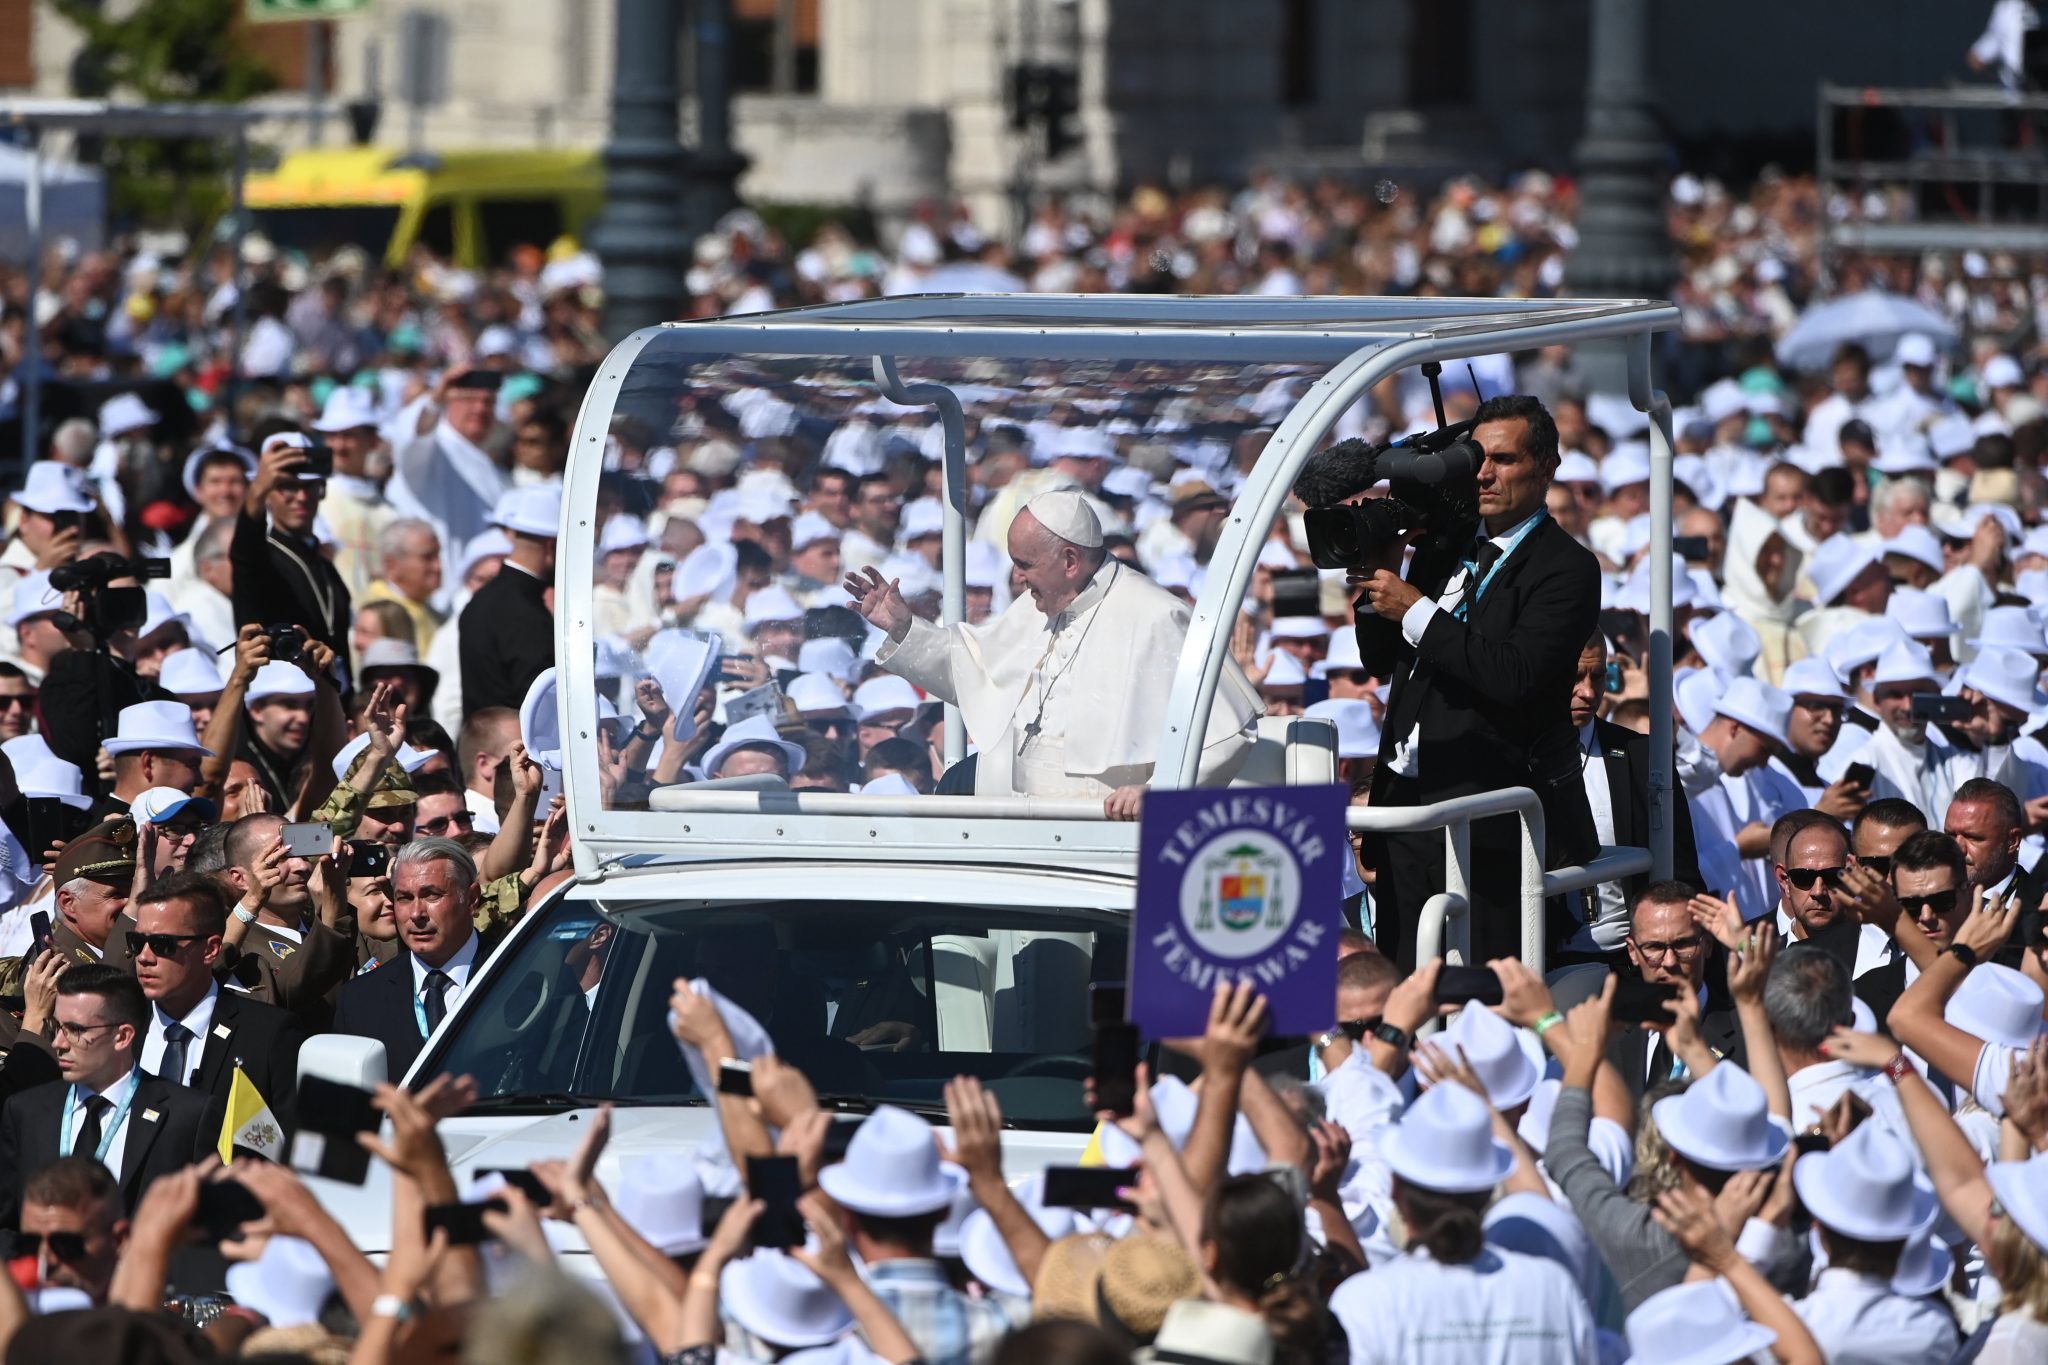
(250, 1125)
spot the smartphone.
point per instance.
(1806, 1143)
(1107, 1002)
(311, 839)
(224, 1206)
(1691, 549)
(775, 1182)
(330, 1116)
(1467, 985)
(1297, 592)
(52, 821)
(1637, 1001)
(1116, 1068)
(464, 1223)
(1314, 692)
(525, 1181)
(1614, 678)
(1088, 1187)
(368, 858)
(1859, 775)
(1935, 707)
(735, 1078)
(318, 460)
(39, 930)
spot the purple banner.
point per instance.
(1232, 884)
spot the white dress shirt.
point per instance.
(456, 968)
(1503, 1308)
(200, 1021)
(1816, 1088)
(118, 1148)
(1606, 927)
(1857, 1320)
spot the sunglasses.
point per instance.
(160, 945)
(25, 700)
(1880, 863)
(1805, 877)
(1358, 1028)
(1940, 902)
(64, 1246)
(443, 823)
(830, 725)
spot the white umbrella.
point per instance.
(1873, 319)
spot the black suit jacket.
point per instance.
(1629, 1050)
(169, 1127)
(1491, 692)
(508, 638)
(378, 1005)
(264, 1042)
(280, 579)
(1627, 756)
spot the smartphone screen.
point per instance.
(1116, 1068)
(331, 1107)
(774, 1181)
(1087, 1187)
(1467, 985)
(735, 1078)
(1106, 1002)
(1637, 1001)
(1933, 706)
(464, 1223)
(39, 929)
(525, 1181)
(1858, 774)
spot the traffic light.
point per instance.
(1047, 98)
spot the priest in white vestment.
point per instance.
(1065, 692)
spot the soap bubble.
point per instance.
(1386, 191)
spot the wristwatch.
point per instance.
(390, 1306)
(1898, 1068)
(1328, 1039)
(642, 732)
(1963, 953)
(1393, 1035)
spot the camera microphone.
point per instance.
(1343, 471)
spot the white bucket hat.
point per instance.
(809, 529)
(1812, 677)
(1628, 463)
(1728, 642)
(832, 655)
(1760, 706)
(756, 729)
(772, 603)
(814, 694)
(348, 408)
(288, 1284)
(2008, 677)
(892, 1168)
(2010, 628)
(1721, 1122)
(52, 487)
(662, 1199)
(776, 1299)
(882, 695)
(161, 725)
(1998, 1004)
(622, 532)
(1693, 1324)
(1507, 1063)
(1358, 734)
(279, 679)
(1922, 615)
(1834, 565)
(1917, 543)
(1863, 1187)
(126, 412)
(190, 673)
(1444, 1142)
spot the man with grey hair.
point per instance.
(409, 551)
(73, 442)
(434, 895)
(1895, 504)
(1806, 997)
(1065, 692)
(207, 594)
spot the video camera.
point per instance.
(105, 609)
(1433, 478)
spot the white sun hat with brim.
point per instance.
(1917, 543)
(1721, 1122)
(488, 544)
(1998, 1004)
(2022, 1190)
(1835, 564)
(814, 694)
(2008, 677)
(772, 603)
(1576, 466)
(1728, 643)
(51, 487)
(831, 655)
(880, 696)
(754, 731)
(809, 529)
(892, 1168)
(661, 1197)
(1444, 1142)
(622, 533)
(2010, 628)
(1507, 1063)
(126, 412)
(288, 1284)
(1628, 463)
(279, 679)
(775, 1298)
(1922, 615)
(348, 408)
(1343, 653)
(1760, 706)
(163, 725)
(1283, 670)
(1812, 677)
(52, 777)
(1358, 731)
(1863, 1187)
(532, 511)
(1694, 1324)
(33, 597)
(1862, 643)
(1924, 1265)
(190, 673)
(1904, 661)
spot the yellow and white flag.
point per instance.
(250, 1125)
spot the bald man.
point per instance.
(1065, 693)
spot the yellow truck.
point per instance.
(468, 207)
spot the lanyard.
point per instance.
(114, 1125)
(419, 1004)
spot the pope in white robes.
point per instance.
(1065, 692)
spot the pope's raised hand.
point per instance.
(880, 601)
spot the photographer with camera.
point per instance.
(86, 686)
(1481, 640)
(280, 574)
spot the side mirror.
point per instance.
(345, 1059)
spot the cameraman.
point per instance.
(1481, 641)
(280, 575)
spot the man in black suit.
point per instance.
(434, 896)
(508, 633)
(106, 1107)
(280, 574)
(199, 1033)
(1617, 780)
(1986, 819)
(1481, 641)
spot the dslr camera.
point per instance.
(287, 642)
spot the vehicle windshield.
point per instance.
(317, 231)
(874, 1002)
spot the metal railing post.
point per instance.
(1444, 928)
(1534, 926)
(1663, 796)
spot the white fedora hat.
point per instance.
(1917, 543)
(190, 476)
(892, 1168)
(622, 532)
(776, 1299)
(988, 1256)
(190, 673)
(810, 528)
(51, 487)
(2022, 1190)
(532, 511)
(754, 730)
(1176, 1104)
(126, 412)
(1863, 1187)
(2010, 628)
(882, 695)
(1924, 1266)
(1445, 1142)
(1343, 653)
(1728, 643)
(159, 725)
(288, 1284)
(1861, 644)
(1693, 1324)
(33, 596)
(1904, 661)
(662, 1199)
(814, 694)
(1508, 1065)
(2007, 676)
(1922, 615)
(1760, 706)
(279, 679)
(52, 776)
(1198, 1332)
(830, 655)
(1812, 677)
(347, 409)
(1834, 565)
(409, 758)
(1358, 734)
(1998, 1004)
(1626, 464)
(772, 603)
(1721, 1122)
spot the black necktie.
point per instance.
(172, 1068)
(87, 1143)
(1663, 1061)
(438, 983)
(1489, 555)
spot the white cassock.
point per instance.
(452, 484)
(1074, 706)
